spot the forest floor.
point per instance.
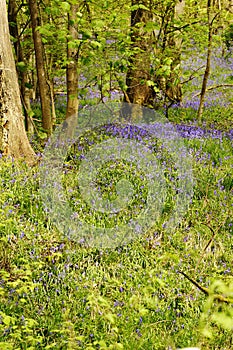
(162, 289)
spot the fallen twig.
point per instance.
(206, 291)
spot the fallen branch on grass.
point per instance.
(218, 297)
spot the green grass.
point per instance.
(213, 117)
(59, 294)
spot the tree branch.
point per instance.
(206, 291)
(192, 76)
(214, 87)
(182, 27)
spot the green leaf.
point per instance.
(96, 45)
(110, 318)
(168, 61)
(42, 135)
(30, 322)
(45, 30)
(150, 26)
(142, 311)
(21, 66)
(156, 89)
(65, 6)
(86, 34)
(101, 343)
(224, 320)
(150, 83)
(74, 44)
(139, 6)
(116, 346)
(6, 346)
(51, 346)
(7, 320)
(31, 114)
(102, 301)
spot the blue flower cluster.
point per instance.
(126, 131)
(185, 131)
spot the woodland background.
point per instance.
(163, 290)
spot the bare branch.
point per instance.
(192, 76)
(218, 297)
(214, 87)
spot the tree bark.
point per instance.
(71, 69)
(208, 59)
(150, 84)
(13, 137)
(138, 91)
(41, 70)
(22, 73)
(173, 86)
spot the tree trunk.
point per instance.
(230, 6)
(71, 69)
(173, 86)
(150, 84)
(22, 73)
(41, 70)
(138, 91)
(13, 138)
(208, 59)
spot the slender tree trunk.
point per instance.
(53, 109)
(41, 68)
(208, 59)
(13, 138)
(173, 87)
(71, 70)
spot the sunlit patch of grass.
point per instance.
(215, 117)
